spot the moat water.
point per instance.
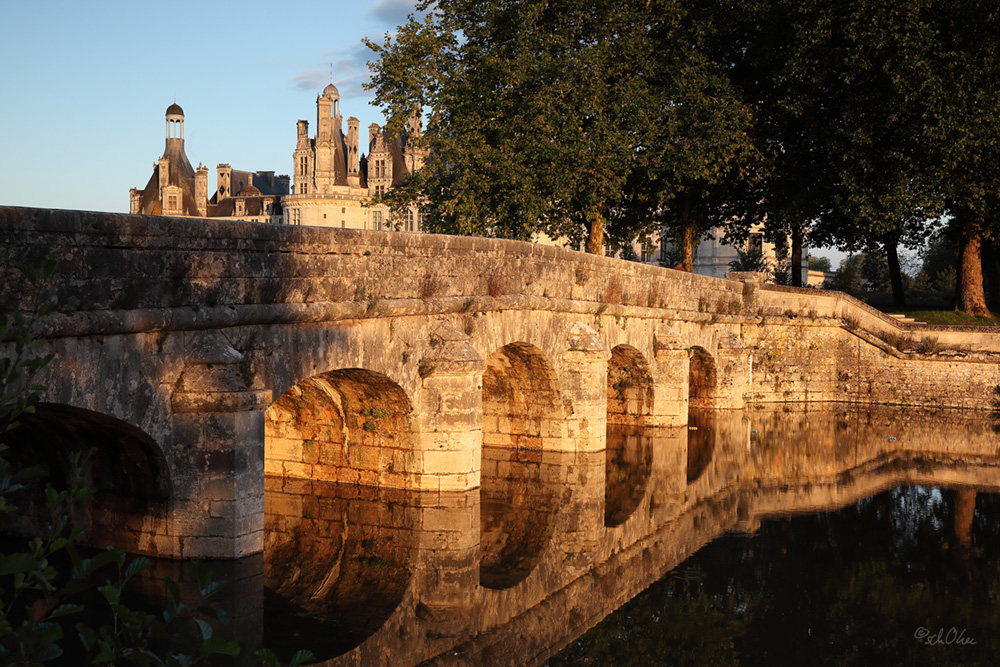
(782, 536)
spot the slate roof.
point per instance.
(254, 205)
(181, 175)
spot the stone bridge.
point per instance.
(198, 356)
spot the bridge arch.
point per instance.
(349, 425)
(127, 469)
(702, 378)
(630, 386)
(523, 434)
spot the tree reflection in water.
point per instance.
(853, 586)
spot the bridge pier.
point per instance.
(450, 414)
(671, 367)
(218, 470)
(585, 389)
(733, 372)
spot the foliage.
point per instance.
(563, 117)
(56, 604)
(750, 260)
(874, 120)
(819, 264)
(856, 123)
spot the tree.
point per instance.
(575, 118)
(819, 264)
(782, 65)
(909, 116)
(957, 90)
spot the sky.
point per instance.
(86, 84)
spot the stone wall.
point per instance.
(183, 262)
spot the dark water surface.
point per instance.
(910, 576)
(780, 537)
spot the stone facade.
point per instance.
(334, 182)
(421, 362)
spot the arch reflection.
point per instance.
(629, 465)
(337, 563)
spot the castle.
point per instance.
(333, 184)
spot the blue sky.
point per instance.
(86, 84)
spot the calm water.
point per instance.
(910, 576)
(820, 536)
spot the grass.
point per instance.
(952, 317)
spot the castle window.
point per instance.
(172, 202)
(409, 221)
(376, 219)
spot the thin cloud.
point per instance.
(392, 11)
(310, 79)
(349, 69)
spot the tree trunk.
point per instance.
(595, 235)
(895, 274)
(962, 514)
(971, 297)
(991, 274)
(687, 237)
(798, 232)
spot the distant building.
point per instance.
(333, 182)
(176, 189)
(712, 256)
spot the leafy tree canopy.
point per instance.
(563, 117)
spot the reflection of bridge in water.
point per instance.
(468, 578)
